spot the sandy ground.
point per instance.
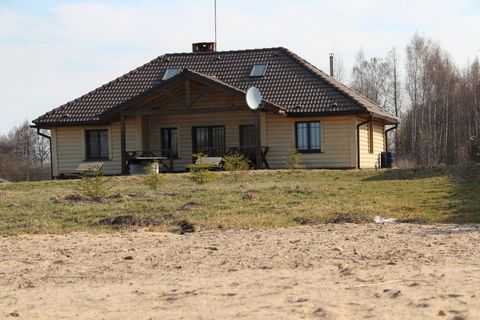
(396, 271)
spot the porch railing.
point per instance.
(167, 158)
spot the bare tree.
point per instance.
(339, 69)
(441, 122)
(23, 151)
(369, 77)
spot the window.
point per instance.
(258, 70)
(209, 140)
(248, 141)
(96, 144)
(170, 72)
(168, 137)
(308, 136)
(247, 136)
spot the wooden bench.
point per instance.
(89, 167)
(215, 163)
(85, 168)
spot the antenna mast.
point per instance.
(215, 18)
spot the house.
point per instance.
(185, 103)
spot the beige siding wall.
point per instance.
(53, 134)
(184, 124)
(370, 159)
(278, 133)
(337, 141)
(69, 146)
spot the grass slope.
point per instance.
(259, 199)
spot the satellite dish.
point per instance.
(254, 98)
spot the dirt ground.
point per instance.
(331, 271)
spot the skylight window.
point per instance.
(258, 70)
(170, 72)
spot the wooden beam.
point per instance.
(187, 94)
(174, 97)
(258, 139)
(123, 157)
(200, 96)
(186, 111)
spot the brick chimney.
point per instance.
(204, 47)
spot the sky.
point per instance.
(53, 51)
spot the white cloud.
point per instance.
(49, 58)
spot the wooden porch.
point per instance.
(167, 160)
(203, 115)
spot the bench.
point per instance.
(215, 163)
(85, 168)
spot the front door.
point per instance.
(209, 140)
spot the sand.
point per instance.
(341, 271)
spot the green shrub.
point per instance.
(200, 172)
(153, 180)
(94, 186)
(293, 160)
(237, 163)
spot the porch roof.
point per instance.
(184, 75)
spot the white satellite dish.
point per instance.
(254, 98)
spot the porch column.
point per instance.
(258, 139)
(123, 158)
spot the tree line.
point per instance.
(437, 101)
(24, 154)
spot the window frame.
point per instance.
(210, 135)
(241, 129)
(309, 140)
(258, 75)
(169, 130)
(88, 156)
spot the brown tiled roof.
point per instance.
(290, 82)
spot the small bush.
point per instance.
(94, 186)
(200, 172)
(293, 160)
(153, 181)
(237, 163)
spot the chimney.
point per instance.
(204, 47)
(331, 64)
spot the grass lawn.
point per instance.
(260, 199)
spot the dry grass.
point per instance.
(261, 199)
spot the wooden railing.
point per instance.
(168, 161)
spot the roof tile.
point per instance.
(289, 82)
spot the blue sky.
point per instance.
(53, 51)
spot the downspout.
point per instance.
(386, 137)
(50, 142)
(370, 119)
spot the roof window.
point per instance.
(170, 72)
(258, 70)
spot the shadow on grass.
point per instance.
(464, 198)
(409, 174)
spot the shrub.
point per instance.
(153, 181)
(200, 172)
(293, 160)
(94, 186)
(237, 163)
